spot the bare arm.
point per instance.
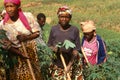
(6, 45)
(75, 53)
(23, 37)
(17, 52)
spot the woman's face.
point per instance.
(11, 9)
(64, 19)
(89, 35)
(41, 22)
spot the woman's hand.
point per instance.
(54, 49)
(16, 51)
(67, 68)
(22, 37)
(24, 56)
(75, 52)
(6, 44)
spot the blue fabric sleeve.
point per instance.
(101, 51)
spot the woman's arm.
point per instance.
(17, 52)
(6, 45)
(24, 37)
(75, 54)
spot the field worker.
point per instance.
(21, 30)
(92, 44)
(41, 19)
(59, 33)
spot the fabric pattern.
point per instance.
(75, 72)
(21, 71)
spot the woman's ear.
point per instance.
(95, 33)
(18, 6)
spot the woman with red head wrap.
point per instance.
(20, 13)
(20, 28)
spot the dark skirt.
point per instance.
(2, 71)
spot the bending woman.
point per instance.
(21, 28)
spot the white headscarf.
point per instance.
(88, 26)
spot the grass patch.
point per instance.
(105, 13)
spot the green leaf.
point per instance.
(59, 45)
(68, 44)
(2, 34)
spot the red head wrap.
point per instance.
(64, 9)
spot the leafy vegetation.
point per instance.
(110, 69)
(45, 56)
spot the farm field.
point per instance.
(105, 13)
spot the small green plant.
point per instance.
(67, 44)
(45, 56)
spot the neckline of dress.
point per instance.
(63, 29)
(13, 22)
